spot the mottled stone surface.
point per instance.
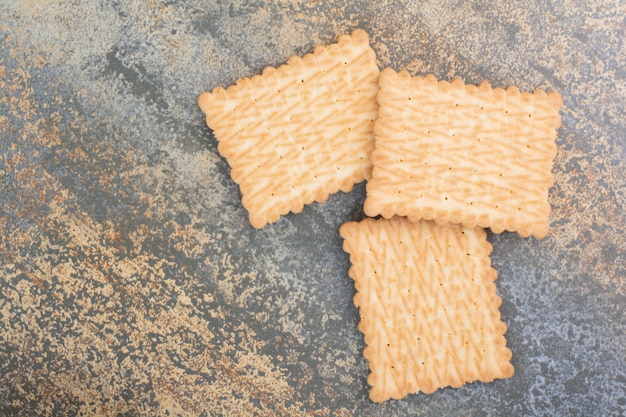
(132, 284)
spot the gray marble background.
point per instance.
(132, 284)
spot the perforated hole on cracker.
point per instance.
(451, 152)
(300, 132)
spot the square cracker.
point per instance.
(428, 305)
(298, 133)
(451, 152)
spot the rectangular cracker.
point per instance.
(298, 133)
(428, 305)
(451, 152)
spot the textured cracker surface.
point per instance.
(132, 283)
(460, 153)
(299, 132)
(427, 304)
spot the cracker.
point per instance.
(428, 305)
(451, 152)
(298, 133)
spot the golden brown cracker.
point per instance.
(451, 152)
(300, 132)
(428, 305)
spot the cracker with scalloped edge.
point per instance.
(300, 132)
(451, 152)
(428, 305)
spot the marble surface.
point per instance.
(132, 284)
